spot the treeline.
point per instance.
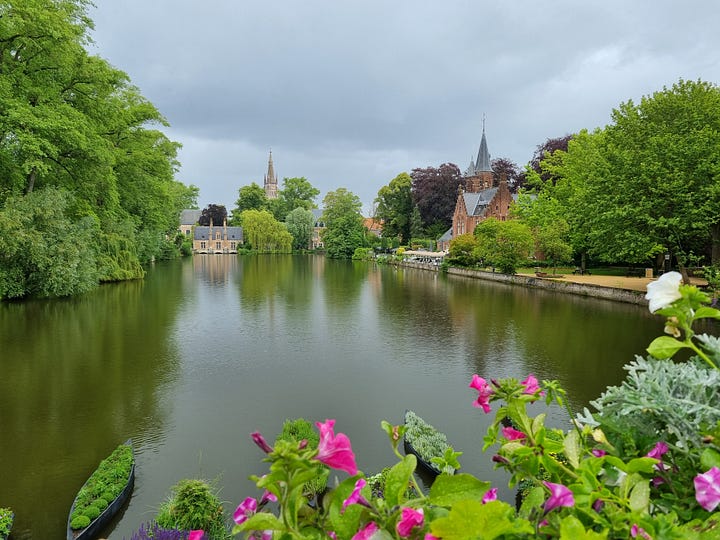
(87, 187)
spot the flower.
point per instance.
(636, 531)
(664, 291)
(559, 496)
(367, 532)
(658, 451)
(356, 497)
(267, 496)
(598, 452)
(261, 442)
(244, 510)
(707, 489)
(484, 393)
(491, 495)
(429, 536)
(512, 434)
(409, 518)
(335, 450)
(196, 534)
(531, 386)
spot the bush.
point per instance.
(427, 441)
(91, 512)
(6, 521)
(193, 505)
(297, 430)
(80, 522)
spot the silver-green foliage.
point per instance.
(661, 400)
(427, 441)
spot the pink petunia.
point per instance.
(638, 532)
(335, 450)
(707, 489)
(531, 386)
(559, 496)
(658, 451)
(512, 434)
(597, 452)
(356, 497)
(490, 495)
(367, 532)
(429, 536)
(484, 393)
(244, 510)
(409, 519)
(196, 534)
(268, 496)
(261, 442)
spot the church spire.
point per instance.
(271, 180)
(483, 159)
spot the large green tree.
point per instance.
(395, 208)
(503, 244)
(344, 231)
(264, 233)
(299, 223)
(250, 197)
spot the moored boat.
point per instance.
(424, 442)
(121, 469)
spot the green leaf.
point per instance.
(707, 313)
(710, 458)
(665, 347)
(571, 447)
(260, 522)
(534, 499)
(640, 496)
(398, 479)
(571, 528)
(447, 490)
(641, 465)
(473, 520)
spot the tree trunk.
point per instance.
(715, 244)
(31, 181)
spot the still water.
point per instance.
(192, 359)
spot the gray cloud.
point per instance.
(350, 94)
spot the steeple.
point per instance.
(271, 180)
(483, 160)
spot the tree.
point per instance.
(264, 233)
(298, 193)
(543, 151)
(552, 240)
(299, 223)
(344, 231)
(395, 208)
(463, 250)
(250, 197)
(505, 168)
(503, 244)
(435, 192)
(215, 213)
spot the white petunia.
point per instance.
(664, 291)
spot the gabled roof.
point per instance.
(446, 237)
(190, 217)
(475, 203)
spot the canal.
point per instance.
(203, 351)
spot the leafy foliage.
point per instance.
(264, 232)
(426, 440)
(503, 244)
(6, 520)
(300, 223)
(463, 251)
(344, 230)
(395, 207)
(435, 192)
(193, 505)
(215, 213)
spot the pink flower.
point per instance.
(334, 450)
(658, 451)
(484, 393)
(491, 495)
(559, 496)
(636, 531)
(410, 518)
(531, 386)
(196, 534)
(429, 536)
(332, 535)
(246, 509)
(356, 497)
(367, 532)
(268, 496)
(597, 452)
(707, 489)
(261, 442)
(512, 434)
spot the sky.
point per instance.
(352, 93)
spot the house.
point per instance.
(481, 198)
(217, 239)
(373, 226)
(188, 219)
(318, 227)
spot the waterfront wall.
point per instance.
(567, 287)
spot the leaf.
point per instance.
(260, 522)
(707, 313)
(398, 479)
(665, 347)
(640, 496)
(571, 446)
(710, 458)
(473, 520)
(534, 499)
(447, 490)
(571, 528)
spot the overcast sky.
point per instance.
(351, 93)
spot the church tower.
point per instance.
(479, 174)
(271, 183)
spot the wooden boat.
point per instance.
(93, 530)
(425, 464)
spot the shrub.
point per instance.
(427, 441)
(6, 521)
(193, 505)
(80, 522)
(297, 430)
(91, 511)
(101, 504)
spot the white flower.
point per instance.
(664, 291)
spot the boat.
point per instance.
(417, 428)
(93, 530)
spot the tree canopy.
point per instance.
(344, 231)
(435, 192)
(215, 213)
(264, 233)
(300, 224)
(395, 208)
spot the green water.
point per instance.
(204, 351)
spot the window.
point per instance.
(232, 245)
(218, 245)
(217, 236)
(203, 245)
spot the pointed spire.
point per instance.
(483, 159)
(271, 180)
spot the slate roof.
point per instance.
(233, 233)
(190, 217)
(446, 237)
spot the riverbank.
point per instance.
(618, 288)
